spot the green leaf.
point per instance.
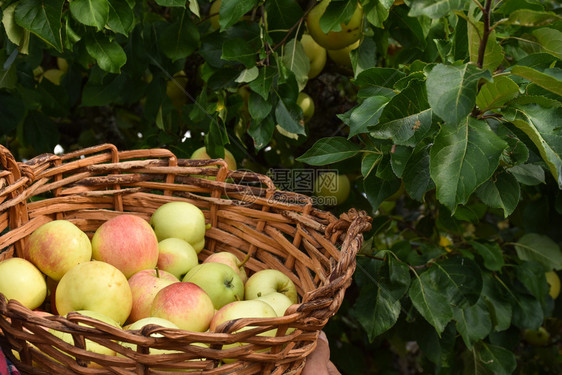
(288, 116)
(542, 125)
(336, 13)
(232, 10)
(258, 107)
(108, 54)
(499, 304)
(248, 75)
(329, 150)
(399, 158)
(532, 18)
(171, 3)
(281, 16)
(42, 18)
(15, 33)
(473, 323)
(452, 89)
(262, 84)
(378, 81)
(465, 280)
(121, 18)
(429, 297)
(502, 192)
(434, 8)
(531, 275)
(296, 60)
(493, 54)
(491, 253)
(541, 249)
(495, 358)
(550, 40)
(382, 284)
(495, 94)
(180, 38)
(8, 71)
(527, 312)
(377, 11)
(407, 117)
(369, 162)
(378, 189)
(462, 158)
(528, 174)
(40, 132)
(262, 131)
(366, 114)
(416, 176)
(103, 93)
(90, 12)
(543, 80)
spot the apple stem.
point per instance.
(240, 265)
(157, 272)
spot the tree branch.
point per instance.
(485, 33)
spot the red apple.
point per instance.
(184, 304)
(176, 256)
(144, 286)
(127, 242)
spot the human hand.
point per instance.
(318, 362)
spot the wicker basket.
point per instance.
(280, 230)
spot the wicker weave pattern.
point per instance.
(280, 230)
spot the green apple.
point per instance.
(175, 89)
(279, 301)
(214, 14)
(333, 188)
(350, 32)
(219, 281)
(144, 285)
(176, 256)
(91, 345)
(127, 242)
(201, 154)
(316, 55)
(184, 304)
(96, 286)
(243, 309)
(180, 220)
(268, 281)
(537, 337)
(22, 281)
(307, 105)
(57, 246)
(230, 260)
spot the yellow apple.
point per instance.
(214, 14)
(62, 64)
(315, 53)
(349, 34)
(22, 281)
(57, 246)
(341, 56)
(91, 346)
(176, 256)
(554, 283)
(180, 220)
(184, 304)
(201, 154)
(96, 286)
(279, 301)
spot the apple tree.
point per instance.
(445, 115)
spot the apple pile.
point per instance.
(133, 272)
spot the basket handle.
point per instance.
(353, 223)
